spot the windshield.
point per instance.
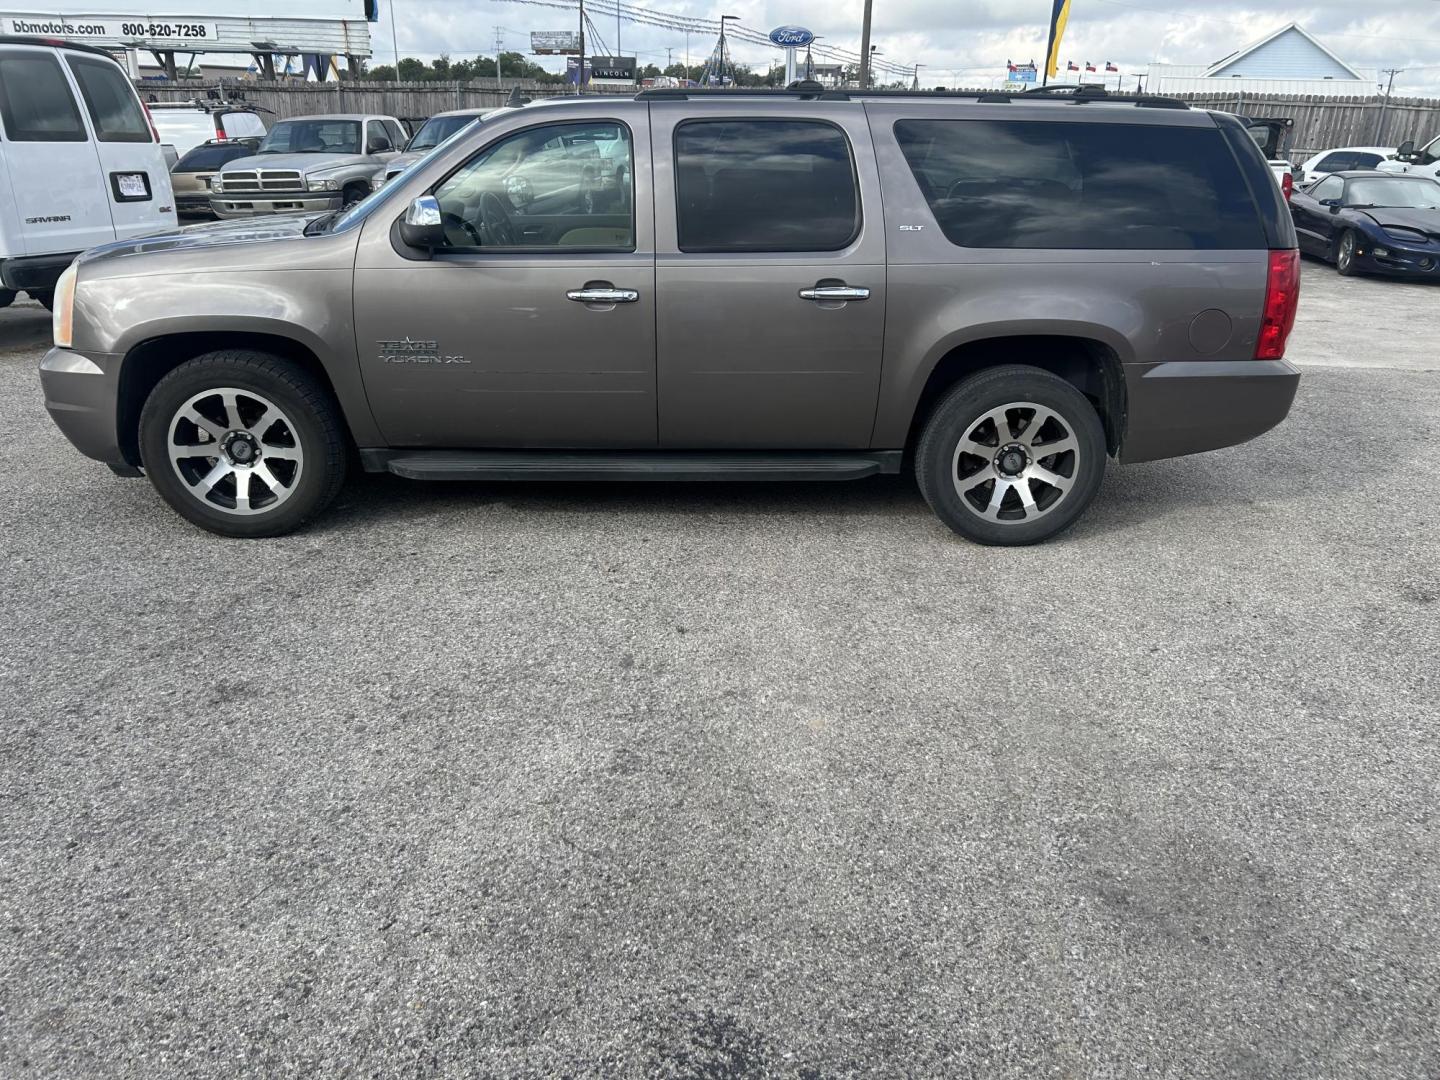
(1418, 193)
(313, 137)
(437, 129)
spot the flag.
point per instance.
(1110, 67)
(1070, 65)
(1089, 66)
(1059, 15)
(1010, 65)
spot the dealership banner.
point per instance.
(555, 42)
(135, 29)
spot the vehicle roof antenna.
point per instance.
(516, 98)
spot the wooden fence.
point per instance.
(411, 102)
(1320, 123)
(1325, 122)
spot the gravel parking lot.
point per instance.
(738, 781)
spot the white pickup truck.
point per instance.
(1422, 162)
(1269, 134)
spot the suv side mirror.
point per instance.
(421, 226)
(379, 145)
(1405, 150)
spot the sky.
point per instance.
(959, 42)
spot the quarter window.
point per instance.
(111, 101)
(1056, 184)
(35, 100)
(764, 185)
(561, 187)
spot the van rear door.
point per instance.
(48, 152)
(136, 179)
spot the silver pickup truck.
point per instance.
(308, 164)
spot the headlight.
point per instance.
(216, 184)
(62, 318)
(323, 185)
(1399, 232)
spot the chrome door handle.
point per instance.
(835, 292)
(603, 296)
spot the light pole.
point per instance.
(395, 39)
(870, 68)
(724, 50)
(865, 48)
(915, 84)
(580, 71)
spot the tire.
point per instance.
(7, 297)
(292, 464)
(44, 297)
(961, 486)
(1345, 265)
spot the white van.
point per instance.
(186, 125)
(80, 163)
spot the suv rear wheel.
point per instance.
(1011, 455)
(242, 443)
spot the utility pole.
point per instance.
(499, 44)
(580, 74)
(395, 39)
(915, 82)
(668, 62)
(1385, 104)
(864, 48)
(617, 36)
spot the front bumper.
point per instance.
(193, 203)
(1189, 406)
(1401, 258)
(229, 207)
(80, 396)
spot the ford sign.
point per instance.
(791, 37)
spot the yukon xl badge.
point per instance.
(406, 351)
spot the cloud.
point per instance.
(967, 43)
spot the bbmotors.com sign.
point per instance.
(109, 29)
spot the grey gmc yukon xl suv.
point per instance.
(792, 285)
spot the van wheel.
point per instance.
(242, 443)
(1011, 455)
(1345, 254)
(44, 297)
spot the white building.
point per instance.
(1289, 61)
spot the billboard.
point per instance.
(555, 42)
(612, 68)
(327, 26)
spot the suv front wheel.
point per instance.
(1011, 455)
(242, 443)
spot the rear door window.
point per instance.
(1066, 185)
(764, 185)
(1337, 162)
(114, 109)
(1366, 161)
(210, 157)
(35, 100)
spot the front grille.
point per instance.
(258, 180)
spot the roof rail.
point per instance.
(1078, 95)
(54, 43)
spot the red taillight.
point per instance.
(220, 128)
(1287, 185)
(154, 134)
(1282, 296)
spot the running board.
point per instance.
(630, 465)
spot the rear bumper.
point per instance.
(1186, 407)
(35, 271)
(229, 207)
(80, 397)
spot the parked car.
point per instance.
(1341, 159)
(430, 135)
(184, 125)
(1371, 222)
(308, 163)
(190, 176)
(80, 164)
(784, 288)
(1408, 160)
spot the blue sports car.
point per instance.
(1371, 222)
